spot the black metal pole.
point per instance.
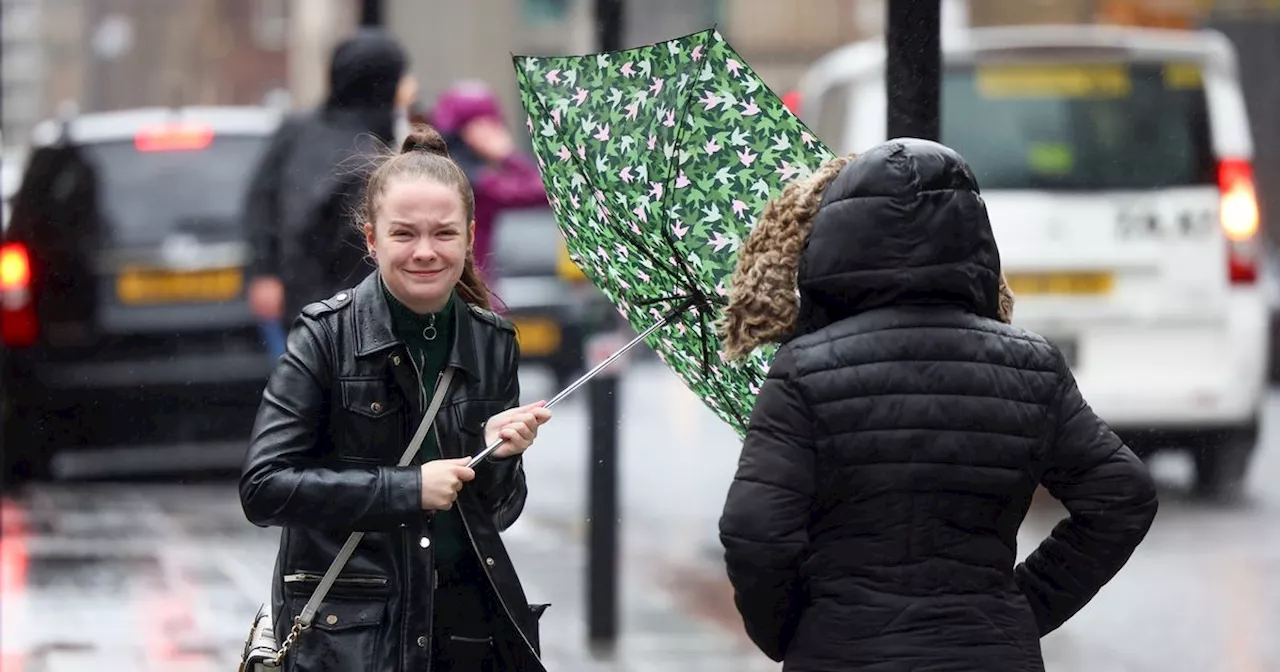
(609, 16)
(602, 507)
(371, 14)
(913, 67)
(602, 511)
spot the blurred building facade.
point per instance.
(110, 54)
(779, 38)
(88, 55)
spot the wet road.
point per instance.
(113, 576)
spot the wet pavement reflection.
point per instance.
(166, 576)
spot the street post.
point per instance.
(913, 68)
(371, 13)
(602, 507)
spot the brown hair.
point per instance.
(764, 299)
(424, 154)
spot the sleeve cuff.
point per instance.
(404, 491)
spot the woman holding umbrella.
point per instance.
(904, 427)
(412, 351)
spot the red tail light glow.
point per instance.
(792, 100)
(18, 326)
(173, 137)
(1239, 204)
(1240, 220)
(15, 267)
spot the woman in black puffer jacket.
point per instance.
(894, 450)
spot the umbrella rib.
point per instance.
(714, 381)
(675, 170)
(664, 299)
(586, 174)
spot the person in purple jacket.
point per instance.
(469, 116)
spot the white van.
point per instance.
(1116, 164)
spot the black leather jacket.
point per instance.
(338, 411)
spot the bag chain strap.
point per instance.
(296, 630)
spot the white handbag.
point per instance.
(261, 651)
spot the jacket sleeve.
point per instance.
(262, 202)
(764, 526)
(1112, 501)
(282, 483)
(501, 483)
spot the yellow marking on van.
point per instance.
(1182, 76)
(1053, 81)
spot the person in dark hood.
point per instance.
(469, 116)
(309, 180)
(902, 430)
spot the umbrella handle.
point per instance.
(488, 450)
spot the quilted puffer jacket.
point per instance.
(896, 445)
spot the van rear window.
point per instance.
(1087, 126)
(143, 196)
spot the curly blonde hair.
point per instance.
(764, 298)
(763, 301)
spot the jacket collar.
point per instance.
(375, 332)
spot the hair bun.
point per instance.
(423, 138)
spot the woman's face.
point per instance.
(420, 239)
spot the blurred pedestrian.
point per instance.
(308, 182)
(431, 586)
(469, 116)
(903, 428)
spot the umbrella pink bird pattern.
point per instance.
(657, 161)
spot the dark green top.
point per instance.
(449, 537)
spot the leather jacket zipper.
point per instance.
(422, 394)
(433, 581)
(306, 577)
(484, 566)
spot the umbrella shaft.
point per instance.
(488, 450)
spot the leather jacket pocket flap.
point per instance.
(338, 615)
(470, 415)
(370, 398)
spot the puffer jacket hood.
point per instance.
(365, 71)
(903, 224)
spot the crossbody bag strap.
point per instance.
(313, 604)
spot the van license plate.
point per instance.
(137, 287)
(1072, 284)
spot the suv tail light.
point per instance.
(18, 327)
(173, 137)
(1238, 215)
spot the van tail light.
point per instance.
(792, 101)
(1239, 217)
(18, 327)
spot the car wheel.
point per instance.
(30, 437)
(1222, 464)
(1273, 353)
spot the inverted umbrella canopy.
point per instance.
(657, 161)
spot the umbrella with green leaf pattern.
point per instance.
(657, 161)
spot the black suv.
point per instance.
(128, 344)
